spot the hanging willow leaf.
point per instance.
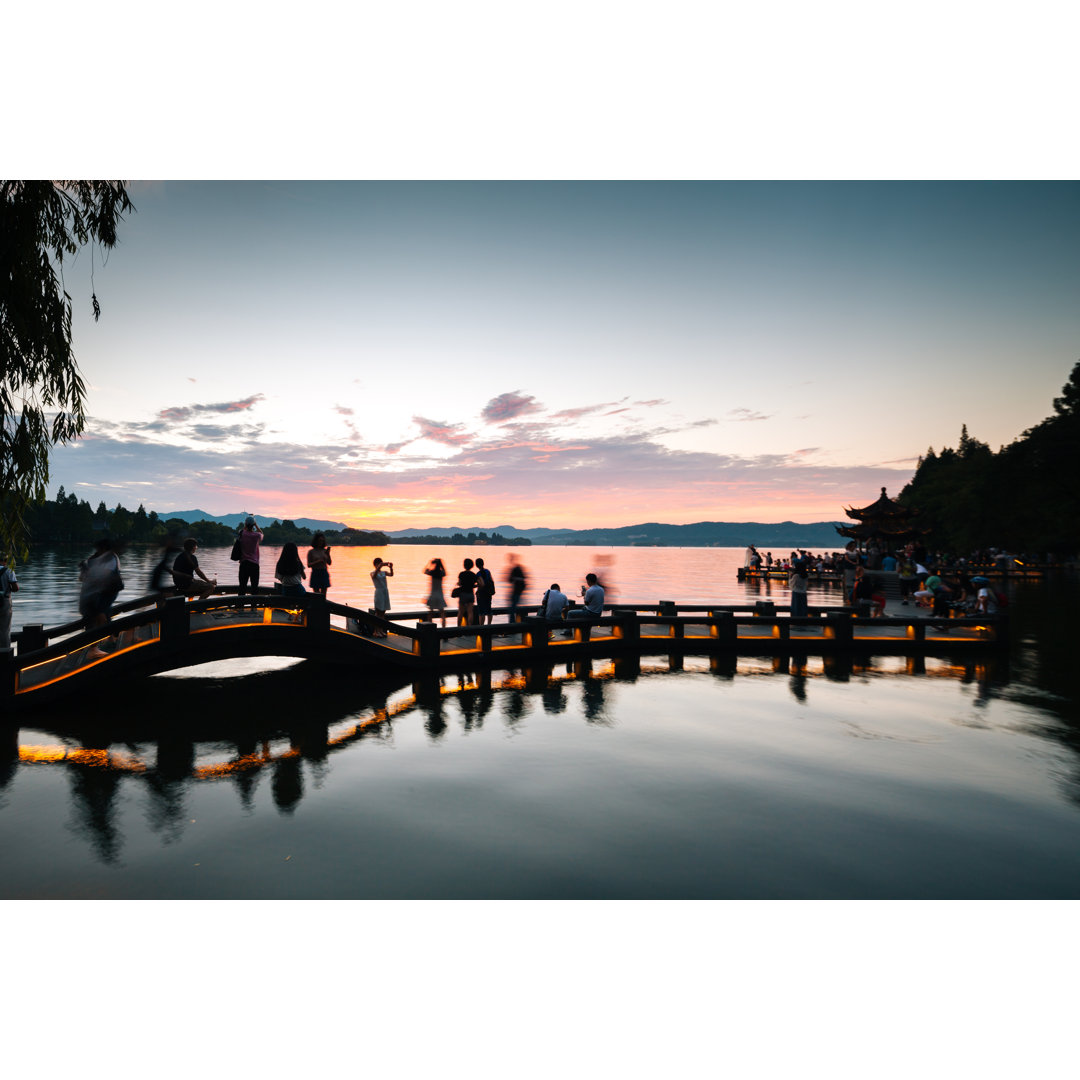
(42, 396)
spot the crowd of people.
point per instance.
(945, 584)
(178, 573)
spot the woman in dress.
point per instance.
(318, 560)
(290, 571)
(436, 601)
(382, 571)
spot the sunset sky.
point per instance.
(397, 355)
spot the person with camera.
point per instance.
(381, 604)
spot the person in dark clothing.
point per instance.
(466, 584)
(186, 573)
(517, 586)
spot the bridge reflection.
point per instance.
(288, 725)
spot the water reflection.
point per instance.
(284, 732)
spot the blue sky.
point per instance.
(566, 354)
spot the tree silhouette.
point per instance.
(41, 391)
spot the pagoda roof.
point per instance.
(881, 510)
(883, 530)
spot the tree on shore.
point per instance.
(42, 395)
(1026, 497)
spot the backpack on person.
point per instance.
(487, 583)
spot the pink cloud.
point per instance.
(508, 407)
(184, 412)
(441, 432)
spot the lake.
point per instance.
(739, 778)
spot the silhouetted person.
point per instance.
(319, 561)
(290, 571)
(436, 601)
(250, 539)
(485, 590)
(382, 571)
(9, 584)
(517, 581)
(466, 583)
(187, 576)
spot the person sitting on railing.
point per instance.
(185, 572)
(592, 593)
(865, 595)
(554, 604)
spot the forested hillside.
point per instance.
(1025, 497)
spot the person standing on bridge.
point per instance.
(382, 571)
(101, 582)
(436, 601)
(9, 584)
(465, 593)
(319, 561)
(485, 590)
(517, 581)
(290, 571)
(250, 539)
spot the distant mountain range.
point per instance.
(780, 535)
(235, 520)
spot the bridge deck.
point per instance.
(152, 636)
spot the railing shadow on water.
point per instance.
(167, 734)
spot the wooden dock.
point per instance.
(151, 636)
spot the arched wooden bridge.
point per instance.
(152, 635)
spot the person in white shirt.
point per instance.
(592, 593)
(555, 603)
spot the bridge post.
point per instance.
(627, 625)
(32, 638)
(317, 614)
(175, 620)
(426, 644)
(7, 674)
(722, 627)
(537, 631)
(840, 626)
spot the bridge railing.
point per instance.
(171, 618)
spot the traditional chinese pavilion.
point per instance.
(884, 520)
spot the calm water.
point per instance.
(747, 778)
